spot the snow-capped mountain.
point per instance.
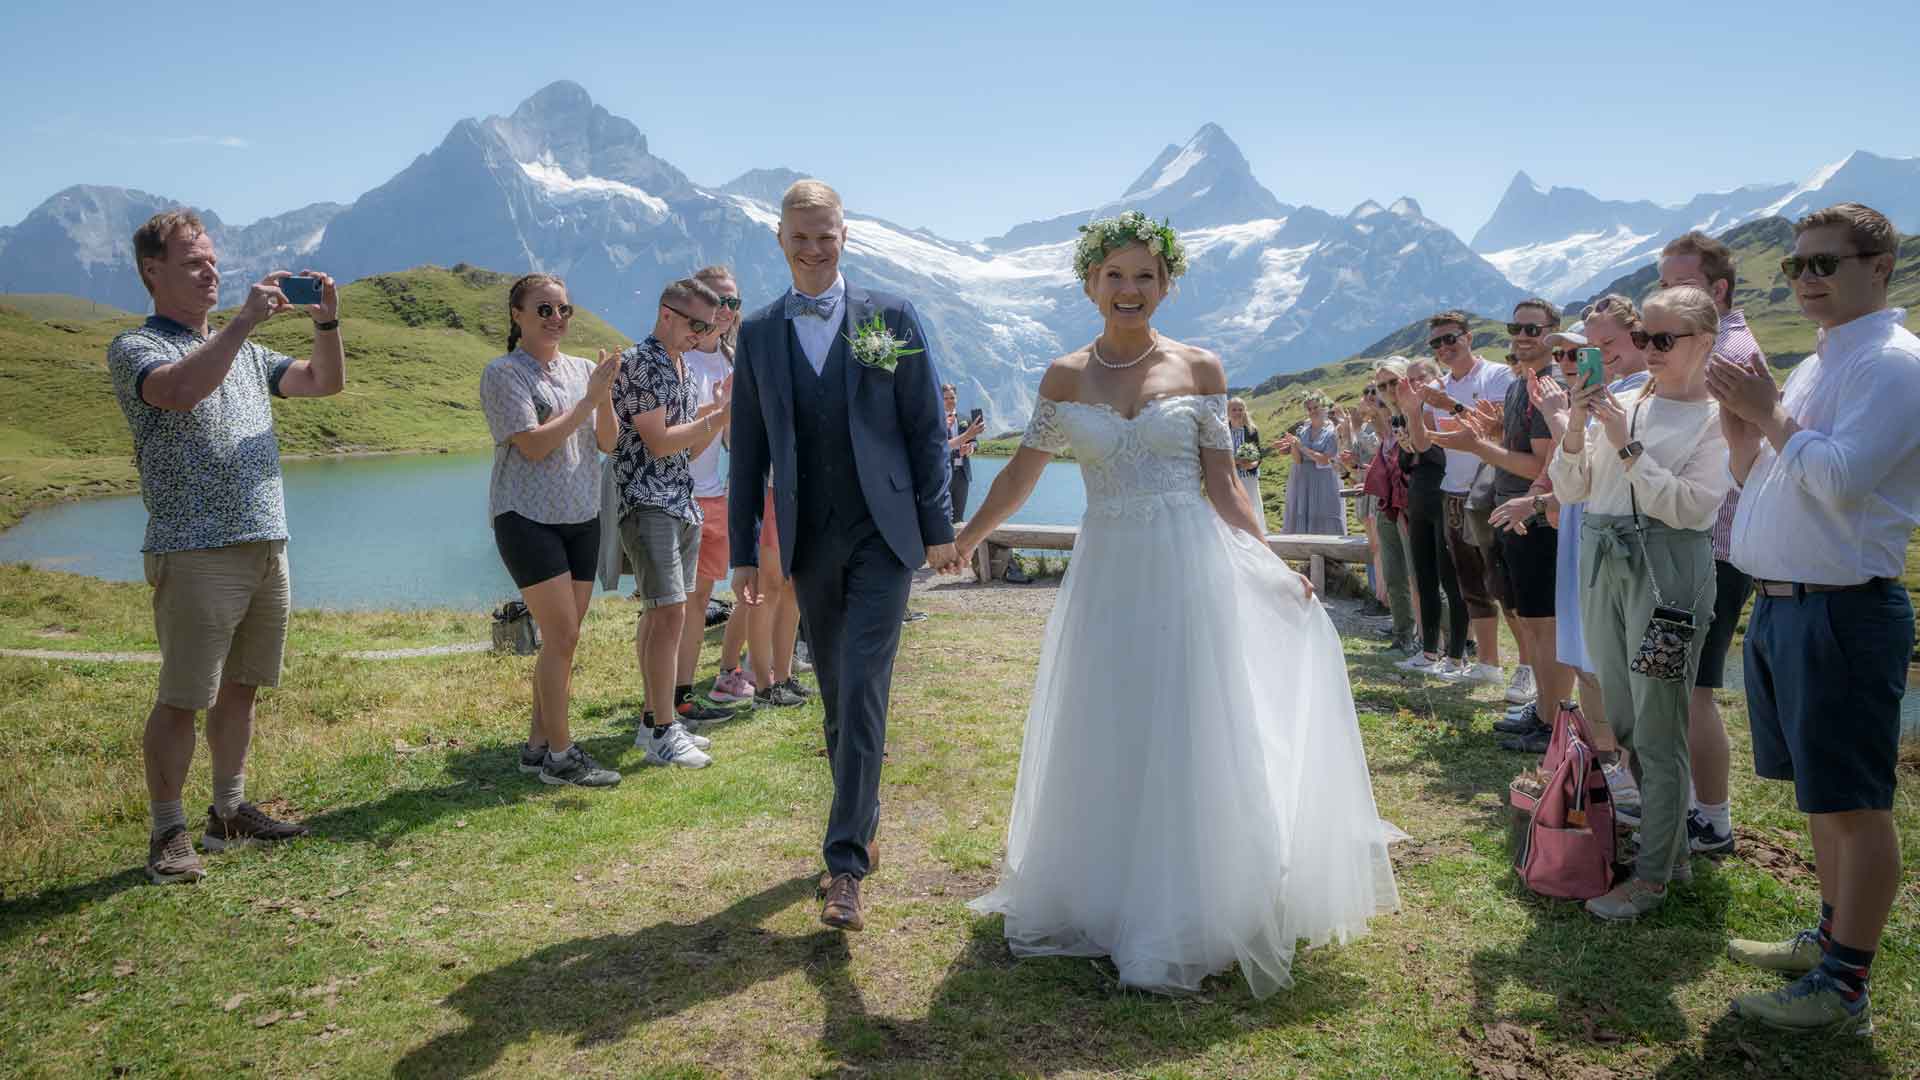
(1564, 242)
(80, 241)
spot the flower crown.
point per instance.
(1107, 235)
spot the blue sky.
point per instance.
(969, 118)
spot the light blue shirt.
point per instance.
(816, 334)
(1837, 505)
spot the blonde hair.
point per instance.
(150, 240)
(810, 195)
(1423, 367)
(1616, 307)
(1395, 366)
(1317, 398)
(1240, 401)
(1693, 306)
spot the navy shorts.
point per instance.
(1825, 675)
(1731, 587)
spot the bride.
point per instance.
(1192, 789)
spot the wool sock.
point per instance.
(1826, 926)
(228, 793)
(166, 815)
(1849, 967)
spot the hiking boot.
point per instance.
(248, 825)
(1814, 1002)
(1523, 688)
(532, 758)
(732, 688)
(1520, 722)
(778, 696)
(794, 684)
(1628, 900)
(1706, 840)
(575, 769)
(171, 858)
(1797, 955)
(674, 746)
(842, 909)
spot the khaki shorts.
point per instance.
(221, 616)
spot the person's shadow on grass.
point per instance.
(987, 1014)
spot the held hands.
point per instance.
(945, 559)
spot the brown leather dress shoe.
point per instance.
(826, 876)
(842, 910)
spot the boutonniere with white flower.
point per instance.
(875, 346)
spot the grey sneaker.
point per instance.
(532, 758)
(1814, 1002)
(248, 825)
(575, 769)
(696, 713)
(802, 656)
(794, 684)
(1797, 955)
(1522, 689)
(1628, 900)
(779, 696)
(171, 858)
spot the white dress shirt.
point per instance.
(1839, 503)
(816, 334)
(1485, 381)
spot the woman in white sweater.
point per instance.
(1652, 470)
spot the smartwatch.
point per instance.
(1631, 450)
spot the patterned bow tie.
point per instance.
(798, 305)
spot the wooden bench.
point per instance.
(991, 558)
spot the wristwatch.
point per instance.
(1540, 505)
(1457, 409)
(1631, 450)
(330, 324)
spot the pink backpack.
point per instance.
(1568, 847)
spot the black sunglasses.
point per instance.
(1529, 329)
(1443, 341)
(731, 303)
(1821, 265)
(1661, 342)
(546, 310)
(1563, 355)
(698, 326)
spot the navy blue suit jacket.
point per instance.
(898, 433)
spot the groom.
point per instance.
(858, 456)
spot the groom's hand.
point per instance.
(746, 585)
(944, 558)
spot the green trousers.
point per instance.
(1648, 715)
(1398, 568)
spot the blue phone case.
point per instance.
(301, 290)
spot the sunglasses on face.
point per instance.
(1821, 265)
(698, 326)
(1443, 341)
(547, 311)
(731, 303)
(1526, 329)
(1564, 355)
(1661, 342)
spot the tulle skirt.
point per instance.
(1193, 792)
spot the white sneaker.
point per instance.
(1420, 664)
(1479, 674)
(700, 742)
(674, 748)
(1522, 689)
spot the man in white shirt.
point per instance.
(1470, 380)
(710, 366)
(1830, 471)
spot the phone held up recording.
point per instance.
(300, 289)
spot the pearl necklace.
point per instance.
(1105, 363)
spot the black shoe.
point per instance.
(777, 696)
(798, 688)
(694, 714)
(532, 759)
(1521, 723)
(915, 616)
(1016, 576)
(1534, 742)
(1704, 839)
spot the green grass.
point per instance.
(451, 918)
(59, 307)
(416, 342)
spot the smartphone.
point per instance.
(300, 289)
(976, 418)
(1593, 366)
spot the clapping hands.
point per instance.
(600, 382)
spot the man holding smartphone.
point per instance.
(197, 401)
(961, 443)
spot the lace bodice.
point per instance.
(1140, 466)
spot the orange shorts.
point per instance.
(713, 539)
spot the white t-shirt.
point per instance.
(707, 369)
(1487, 381)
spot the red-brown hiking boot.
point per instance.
(171, 858)
(248, 825)
(842, 911)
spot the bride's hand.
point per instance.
(1306, 583)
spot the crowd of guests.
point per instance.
(1575, 506)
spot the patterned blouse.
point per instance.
(518, 393)
(650, 380)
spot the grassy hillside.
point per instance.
(55, 306)
(416, 342)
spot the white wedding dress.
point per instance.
(1193, 790)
